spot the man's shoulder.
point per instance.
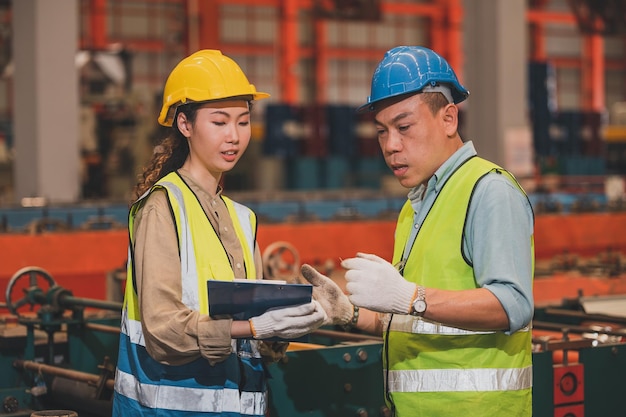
(496, 181)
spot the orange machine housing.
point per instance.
(80, 260)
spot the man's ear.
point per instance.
(183, 124)
(450, 116)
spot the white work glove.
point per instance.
(288, 322)
(375, 284)
(339, 310)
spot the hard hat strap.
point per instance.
(439, 88)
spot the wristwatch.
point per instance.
(419, 305)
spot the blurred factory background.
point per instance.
(81, 82)
(80, 89)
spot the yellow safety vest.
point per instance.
(214, 263)
(437, 370)
(147, 387)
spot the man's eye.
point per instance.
(403, 128)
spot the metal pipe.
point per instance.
(585, 316)
(576, 329)
(345, 335)
(67, 373)
(70, 301)
(551, 345)
(102, 328)
(66, 300)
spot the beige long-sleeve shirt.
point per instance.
(175, 334)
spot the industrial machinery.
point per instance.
(61, 354)
(579, 362)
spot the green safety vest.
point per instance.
(436, 370)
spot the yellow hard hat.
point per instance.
(204, 76)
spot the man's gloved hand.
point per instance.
(375, 284)
(272, 351)
(335, 303)
(288, 322)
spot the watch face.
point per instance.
(419, 306)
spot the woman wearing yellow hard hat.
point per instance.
(174, 359)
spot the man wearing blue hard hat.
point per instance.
(455, 304)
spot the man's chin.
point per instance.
(406, 182)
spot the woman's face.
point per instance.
(218, 137)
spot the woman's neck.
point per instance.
(206, 180)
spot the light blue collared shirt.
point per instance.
(498, 230)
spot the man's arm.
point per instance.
(498, 242)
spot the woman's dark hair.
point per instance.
(169, 155)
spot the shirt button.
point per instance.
(416, 225)
(225, 229)
(213, 202)
(238, 265)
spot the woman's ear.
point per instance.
(183, 124)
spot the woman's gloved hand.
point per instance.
(375, 284)
(335, 303)
(288, 322)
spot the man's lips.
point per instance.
(399, 169)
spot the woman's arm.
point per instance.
(174, 334)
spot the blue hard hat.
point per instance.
(406, 69)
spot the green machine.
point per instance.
(579, 366)
(61, 354)
(339, 375)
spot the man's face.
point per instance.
(414, 141)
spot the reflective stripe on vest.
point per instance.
(133, 329)
(188, 268)
(461, 380)
(243, 214)
(168, 397)
(418, 325)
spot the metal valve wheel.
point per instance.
(281, 261)
(38, 281)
